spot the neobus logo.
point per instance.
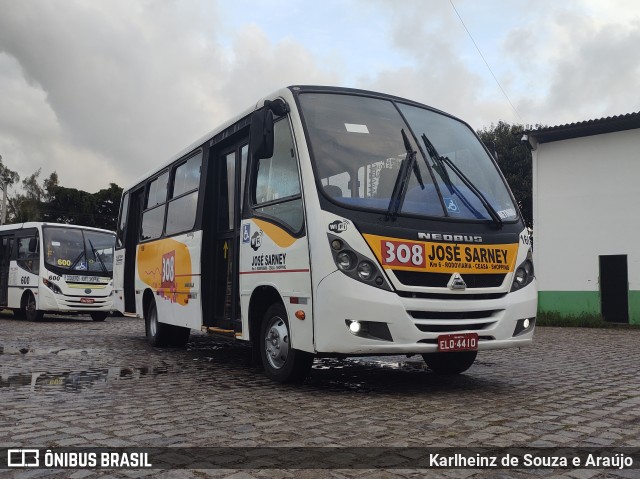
(451, 238)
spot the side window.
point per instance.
(157, 192)
(153, 216)
(276, 189)
(29, 253)
(124, 211)
(183, 204)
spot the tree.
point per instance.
(107, 206)
(57, 204)
(7, 178)
(515, 162)
(27, 206)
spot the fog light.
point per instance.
(336, 244)
(526, 324)
(354, 327)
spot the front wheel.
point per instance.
(281, 362)
(30, 308)
(450, 363)
(99, 315)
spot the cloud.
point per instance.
(120, 88)
(103, 91)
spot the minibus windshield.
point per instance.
(358, 153)
(79, 251)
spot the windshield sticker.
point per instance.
(506, 213)
(354, 128)
(452, 206)
(55, 243)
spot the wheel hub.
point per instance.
(276, 343)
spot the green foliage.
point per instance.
(57, 204)
(514, 160)
(584, 320)
(7, 176)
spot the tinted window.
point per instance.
(29, 253)
(158, 190)
(187, 176)
(181, 213)
(276, 190)
(152, 223)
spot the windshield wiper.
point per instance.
(442, 162)
(402, 180)
(95, 255)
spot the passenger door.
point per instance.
(6, 247)
(227, 172)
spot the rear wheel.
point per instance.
(450, 363)
(99, 315)
(161, 334)
(281, 362)
(30, 308)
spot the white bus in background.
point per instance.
(335, 222)
(56, 268)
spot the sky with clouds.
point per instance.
(101, 91)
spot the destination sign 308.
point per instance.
(426, 256)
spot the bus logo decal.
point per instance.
(256, 240)
(338, 226)
(456, 282)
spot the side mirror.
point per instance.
(261, 143)
(33, 245)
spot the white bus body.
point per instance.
(330, 221)
(56, 268)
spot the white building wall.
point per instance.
(586, 203)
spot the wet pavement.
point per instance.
(72, 382)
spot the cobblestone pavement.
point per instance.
(75, 382)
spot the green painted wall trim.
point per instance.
(634, 307)
(576, 303)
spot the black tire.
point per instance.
(281, 362)
(30, 311)
(179, 336)
(450, 363)
(161, 334)
(99, 315)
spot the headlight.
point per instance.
(355, 265)
(524, 274)
(365, 270)
(345, 260)
(52, 286)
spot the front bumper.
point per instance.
(414, 324)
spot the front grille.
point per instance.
(453, 314)
(440, 280)
(452, 328)
(450, 295)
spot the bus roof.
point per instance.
(37, 224)
(278, 93)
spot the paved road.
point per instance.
(75, 382)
